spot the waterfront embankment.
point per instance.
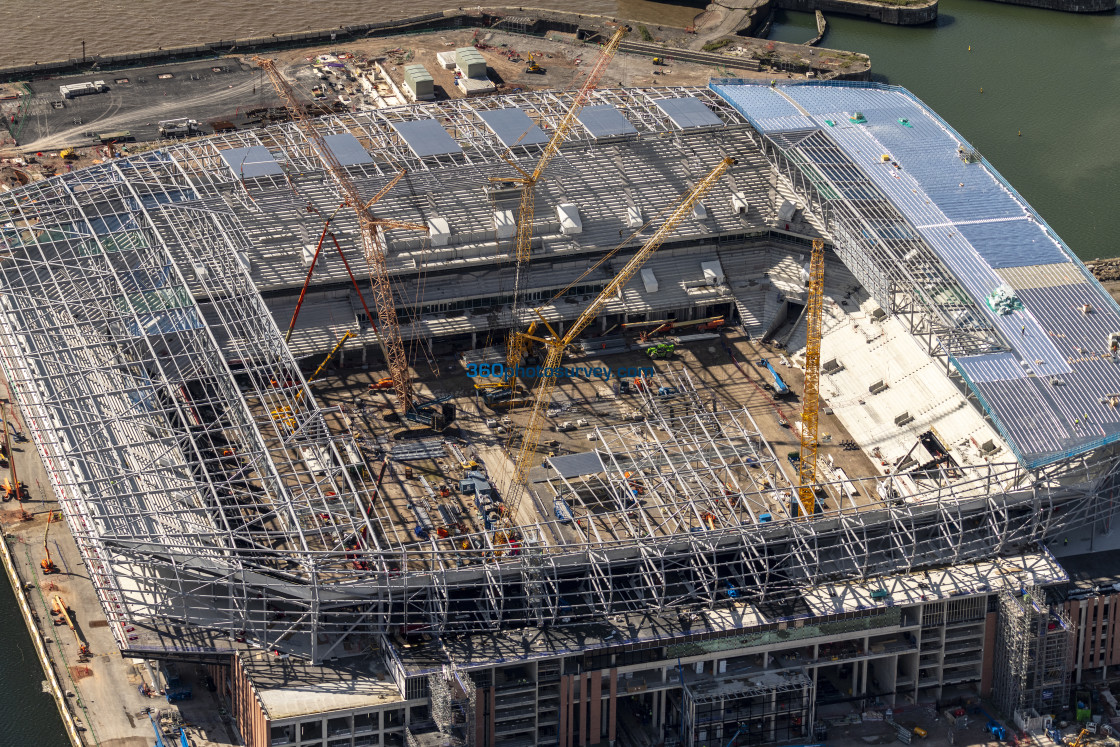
(714, 28)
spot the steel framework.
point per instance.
(194, 467)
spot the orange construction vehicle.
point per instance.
(46, 563)
(59, 608)
(13, 488)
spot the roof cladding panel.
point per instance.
(347, 149)
(251, 162)
(426, 137)
(687, 112)
(766, 109)
(1046, 364)
(1013, 243)
(513, 127)
(981, 369)
(603, 120)
(571, 466)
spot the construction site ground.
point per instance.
(103, 694)
(484, 435)
(940, 733)
(228, 88)
(103, 691)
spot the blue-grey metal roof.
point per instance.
(513, 127)
(687, 112)
(982, 369)
(766, 109)
(251, 162)
(426, 137)
(1045, 392)
(577, 465)
(347, 149)
(603, 120)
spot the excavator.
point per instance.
(46, 563)
(534, 67)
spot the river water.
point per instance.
(1053, 77)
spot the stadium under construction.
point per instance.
(360, 573)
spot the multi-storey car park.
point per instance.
(661, 578)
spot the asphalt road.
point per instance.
(139, 98)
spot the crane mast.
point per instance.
(807, 465)
(529, 182)
(370, 228)
(556, 344)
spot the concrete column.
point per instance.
(1114, 629)
(565, 706)
(493, 721)
(584, 703)
(772, 719)
(571, 710)
(595, 716)
(474, 340)
(612, 709)
(1094, 646)
(988, 665)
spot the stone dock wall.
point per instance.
(923, 11)
(1070, 6)
(822, 26)
(45, 660)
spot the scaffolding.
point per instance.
(1034, 653)
(453, 696)
(767, 708)
(210, 500)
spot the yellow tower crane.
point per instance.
(810, 399)
(371, 228)
(516, 343)
(555, 344)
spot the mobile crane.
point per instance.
(47, 564)
(556, 345)
(60, 609)
(13, 488)
(371, 229)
